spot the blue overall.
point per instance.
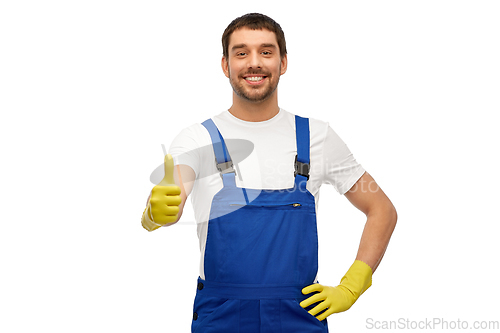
(259, 253)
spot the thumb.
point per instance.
(168, 179)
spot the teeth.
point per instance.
(254, 78)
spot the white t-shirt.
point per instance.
(270, 165)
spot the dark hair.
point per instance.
(254, 21)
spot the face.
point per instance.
(254, 65)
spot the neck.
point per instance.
(254, 111)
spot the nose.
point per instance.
(254, 60)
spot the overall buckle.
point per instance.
(225, 167)
(301, 168)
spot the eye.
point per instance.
(266, 52)
(240, 54)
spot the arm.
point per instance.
(367, 196)
(381, 215)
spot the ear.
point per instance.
(284, 63)
(225, 66)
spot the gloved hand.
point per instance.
(163, 205)
(338, 299)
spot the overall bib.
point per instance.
(261, 251)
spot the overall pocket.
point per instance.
(295, 318)
(270, 206)
(215, 315)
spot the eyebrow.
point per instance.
(240, 46)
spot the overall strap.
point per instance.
(223, 161)
(302, 165)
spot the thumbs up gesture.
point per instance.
(163, 206)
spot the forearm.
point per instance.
(381, 221)
(376, 235)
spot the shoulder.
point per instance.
(199, 132)
(318, 129)
(194, 132)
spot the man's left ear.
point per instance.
(284, 63)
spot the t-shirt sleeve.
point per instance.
(185, 148)
(340, 167)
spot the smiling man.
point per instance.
(256, 220)
(259, 83)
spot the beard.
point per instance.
(254, 94)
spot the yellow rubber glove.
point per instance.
(338, 299)
(147, 220)
(163, 205)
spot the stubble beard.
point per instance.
(240, 91)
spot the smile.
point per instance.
(255, 79)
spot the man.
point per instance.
(257, 219)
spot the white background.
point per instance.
(89, 90)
